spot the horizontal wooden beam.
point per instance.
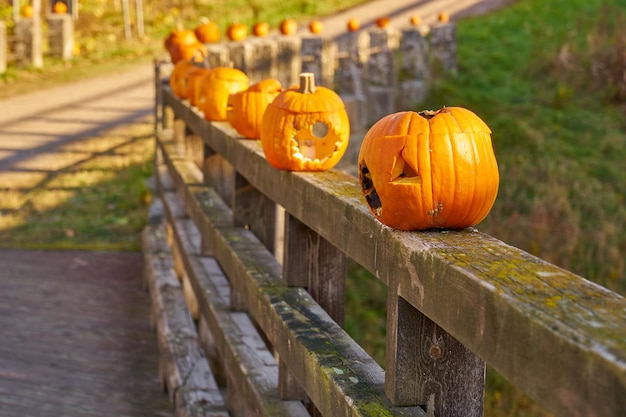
(557, 336)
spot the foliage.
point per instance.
(559, 142)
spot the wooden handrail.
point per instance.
(455, 298)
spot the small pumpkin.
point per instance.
(443, 17)
(382, 22)
(245, 108)
(208, 32)
(27, 11)
(415, 20)
(288, 26)
(178, 76)
(305, 128)
(196, 52)
(215, 88)
(261, 29)
(182, 44)
(433, 169)
(316, 27)
(59, 7)
(237, 32)
(353, 24)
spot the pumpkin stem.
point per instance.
(307, 83)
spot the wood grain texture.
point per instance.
(75, 337)
(338, 375)
(183, 366)
(539, 325)
(249, 368)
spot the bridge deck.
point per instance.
(75, 336)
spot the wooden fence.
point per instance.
(247, 274)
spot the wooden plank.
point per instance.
(246, 362)
(184, 368)
(337, 374)
(428, 367)
(539, 325)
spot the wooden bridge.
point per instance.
(247, 276)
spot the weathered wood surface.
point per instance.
(183, 367)
(557, 336)
(247, 364)
(339, 377)
(75, 336)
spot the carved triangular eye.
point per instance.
(402, 172)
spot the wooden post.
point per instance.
(381, 75)
(288, 63)
(254, 211)
(413, 69)
(256, 57)
(319, 56)
(426, 366)
(349, 78)
(4, 45)
(61, 35)
(443, 46)
(28, 49)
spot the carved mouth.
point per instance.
(314, 145)
(367, 186)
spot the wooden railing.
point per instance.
(267, 294)
(259, 256)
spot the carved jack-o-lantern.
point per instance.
(429, 170)
(305, 128)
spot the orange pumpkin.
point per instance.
(245, 108)
(178, 76)
(237, 32)
(316, 27)
(208, 32)
(429, 170)
(261, 29)
(443, 17)
(415, 20)
(382, 22)
(59, 7)
(193, 80)
(215, 88)
(353, 24)
(288, 26)
(27, 11)
(180, 43)
(305, 128)
(196, 52)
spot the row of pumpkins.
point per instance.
(186, 43)
(432, 169)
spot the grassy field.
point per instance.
(544, 75)
(547, 77)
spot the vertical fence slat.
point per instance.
(426, 366)
(254, 211)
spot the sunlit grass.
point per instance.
(100, 202)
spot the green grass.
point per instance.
(559, 137)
